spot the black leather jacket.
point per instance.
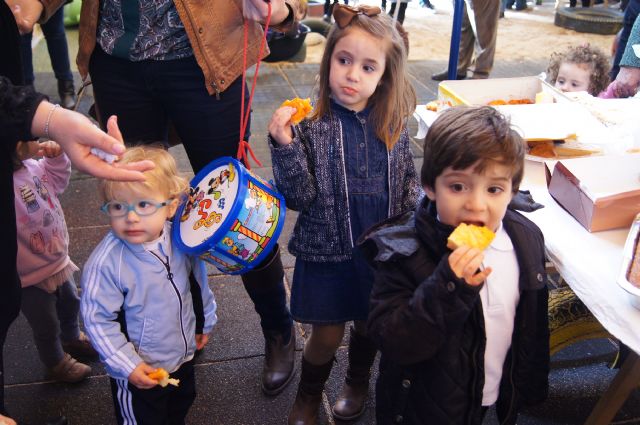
(430, 328)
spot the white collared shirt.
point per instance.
(500, 295)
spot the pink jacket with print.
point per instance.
(43, 240)
(214, 28)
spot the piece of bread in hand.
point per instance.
(470, 235)
(303, 107)
(162, 376)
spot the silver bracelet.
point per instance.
(46, 124)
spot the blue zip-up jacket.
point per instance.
(137, 304)
(310, 174)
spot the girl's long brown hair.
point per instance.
(394, 100)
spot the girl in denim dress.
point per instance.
(344, 169)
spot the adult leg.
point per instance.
(485, 18)
(317, 361)
(120, 87)
(467, 42)
(392, 10)
(54, 33)
(401, 12)
(362, 352)
(209, 129)
(27, 59)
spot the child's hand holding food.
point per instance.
(140, 378)
(468, 243)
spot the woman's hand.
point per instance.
(4, 420)
(26, 12)
(140, 379)
(257, 10)
(627, 82)
(465, 262)
(77, 135)
(280, 125)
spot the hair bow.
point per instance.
(344, 14)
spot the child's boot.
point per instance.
(81, 347)
(69, 370)
(309, 396)
(351, 401)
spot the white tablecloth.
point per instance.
(589, 262)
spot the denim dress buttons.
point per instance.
(337, 292)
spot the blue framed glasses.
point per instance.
(142, 207)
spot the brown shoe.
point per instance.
(69, 370)
(81, 347)
(279, 359)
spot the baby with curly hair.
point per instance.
(579, 68)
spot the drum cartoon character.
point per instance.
(234, 222)
(194, 197)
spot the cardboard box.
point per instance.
(601, 192)
(481, 92)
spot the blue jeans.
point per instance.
(146, 96)
(630, 14)
(56, 38)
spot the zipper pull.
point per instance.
(215, 88)
(169, 274)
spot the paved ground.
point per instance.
(228, 371)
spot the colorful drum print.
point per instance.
(231, 219)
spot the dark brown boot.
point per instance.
(350, 402)
(312, 379)
(279, 360)
(67, 94)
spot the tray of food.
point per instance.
(629, 278)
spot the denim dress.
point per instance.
(338, 292)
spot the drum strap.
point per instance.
(243, 146)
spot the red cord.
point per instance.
(243, 145)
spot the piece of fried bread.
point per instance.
(162, 376)
(470, 235)
(302, 106)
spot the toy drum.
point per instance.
(232, 218)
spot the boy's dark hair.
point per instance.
(464, 135)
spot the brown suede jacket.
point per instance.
(214, 28)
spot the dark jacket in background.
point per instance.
(17, 107)
(429, 325)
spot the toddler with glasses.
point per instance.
(137, 303)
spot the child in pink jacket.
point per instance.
(49, 295)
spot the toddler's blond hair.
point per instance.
(164, 177)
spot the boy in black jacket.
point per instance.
(465, 329)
